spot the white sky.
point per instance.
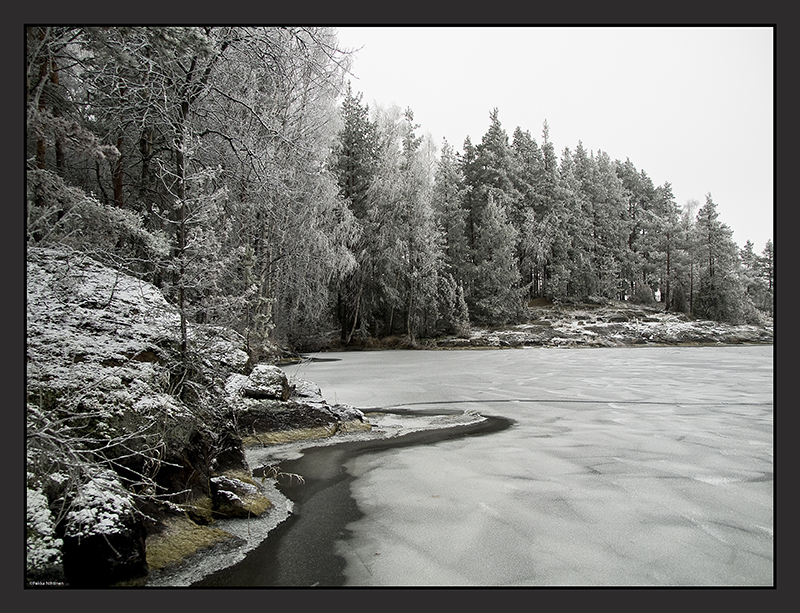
(689, 105)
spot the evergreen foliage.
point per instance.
(495, 295)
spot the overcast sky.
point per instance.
(692, 106)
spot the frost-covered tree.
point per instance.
(549, 236)
(766, 265)
(756, 276)
(354, 165)
(719, 295)
(213, 140)
(488, 172)
(667, 243)
(495, 294)
(402, 245)
(448, 198)
(423, 254)
(528, 209)
(288, 232)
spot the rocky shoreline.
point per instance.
(135, 448)
(606, 324)
(618, 324)
(230, 540)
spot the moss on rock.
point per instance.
(179, 539)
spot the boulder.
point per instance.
(105, 347)
(43, 547)
(104, 536)
(266, 382)
(307, 391)
(237, 497)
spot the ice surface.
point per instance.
(644, 466)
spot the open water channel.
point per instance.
(646, 466)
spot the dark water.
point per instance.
(301, 551)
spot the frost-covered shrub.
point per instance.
(752, 315)
(60, 214)
(718, 299)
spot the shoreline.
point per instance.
(240, 561)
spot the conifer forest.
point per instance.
(238, 170)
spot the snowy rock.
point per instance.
(235, 383)
(347, 413)
(595, 325)
(307, 391)
(103, 372)
(235, 497)
(266, 381)
(43, 547)
(104, 538)
(104, 380)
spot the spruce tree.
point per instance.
(768, 274)
(720, 294)
(448, 196)
(495, 296)
(354, 164)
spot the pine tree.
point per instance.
(574, 257)
(488, 175)
(470, 201)
(667, 244)
(355, 154)
(422, 260)
(584, 228)
(528, 167)
(549, 236)
(487, 170)
(610, 223)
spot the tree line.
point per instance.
(235, 169)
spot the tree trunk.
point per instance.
(59, 145)
(180, 169)
(409, 317)
(117, 176)
(666, 285)
(356, 314)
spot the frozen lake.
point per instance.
(624, 467)
(649, 466)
